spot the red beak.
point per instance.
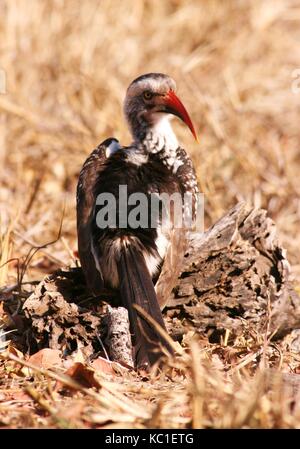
(175, 107)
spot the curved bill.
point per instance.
(174, 106)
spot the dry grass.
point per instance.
(67, 65)
(195, 391)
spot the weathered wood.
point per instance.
(234, 277)
(118, 338)
(234, 274)
(57, 320)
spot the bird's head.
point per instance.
(148, 99)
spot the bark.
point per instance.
(118, 336)
(236, 274)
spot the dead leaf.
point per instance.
(103, 365)
(83, 375)
(46, 358)
(11, 367)
(12, 350)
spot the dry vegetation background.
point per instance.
(67, 65)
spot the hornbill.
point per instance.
(132, 258)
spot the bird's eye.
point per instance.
(147, 95)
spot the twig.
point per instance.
(106, 400)
(160, 330)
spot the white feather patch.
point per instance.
(136, 157)
(112, 148)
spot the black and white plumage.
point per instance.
(133, 260)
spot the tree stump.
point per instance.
(236, 274)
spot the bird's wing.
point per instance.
(86, 198)
(174, 257)
(171, 266)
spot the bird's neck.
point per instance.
(157, 137)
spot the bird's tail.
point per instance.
(136, 287)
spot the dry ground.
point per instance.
(67, 65)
